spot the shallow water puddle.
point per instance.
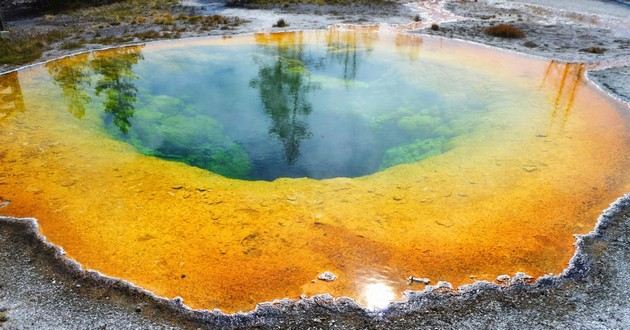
(234, 171)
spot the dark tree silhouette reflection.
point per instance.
(117, 84)
(284, 85)
(347, 48)
(11, 98)
(72, 75)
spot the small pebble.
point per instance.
(423, 280)
(327, 276)
(503, 278)
(530, 168)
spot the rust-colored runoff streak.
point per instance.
(507, 198)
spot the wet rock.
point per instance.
(530, 168)
(68, 183)
(443, 285)
(423, 280)
(503, 279)
(4, 202)
(327, 277)
(521, 278)
(397, 198)
(177, 187)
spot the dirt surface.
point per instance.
(40, 289)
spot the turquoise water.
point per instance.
(276, 109)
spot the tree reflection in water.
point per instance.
(117, 84)
(11, 99)
(73, 77)
(347, 47)
(283, 85)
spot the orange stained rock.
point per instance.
(507, 198)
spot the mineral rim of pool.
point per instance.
(233, 171)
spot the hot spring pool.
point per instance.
(232, 171)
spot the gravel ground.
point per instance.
(614, 80)
(567, 39)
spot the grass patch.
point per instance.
(72, 44)
(21, 48)
(505, 31)
(281, 23)
(104, 22)
(594, 50)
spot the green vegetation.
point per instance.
(505, 31)
(281, 23)
(594, 50)
(72, 44)
(52, 6)
(20, 48)
(102, 22)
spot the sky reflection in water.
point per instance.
(278, 108)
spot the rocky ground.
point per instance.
(614, 80)
(39, 289)
(602, 39)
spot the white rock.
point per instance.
(503, 278)
(412, 279)
(327, 276)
